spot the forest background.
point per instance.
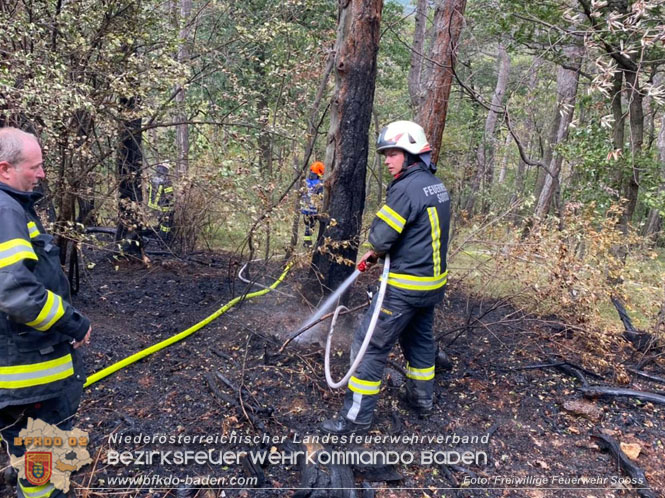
(547, 118)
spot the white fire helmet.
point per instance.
(405, 135)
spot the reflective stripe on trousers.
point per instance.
(398, 321)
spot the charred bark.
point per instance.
(607, 443)
(128, 163)
(600, 391)
(346, 153)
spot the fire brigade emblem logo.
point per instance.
(38, 467)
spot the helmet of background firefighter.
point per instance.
(162, 169)
(407, 136)
(318, 168)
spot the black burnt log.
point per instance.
(633, 471)
(598, 391)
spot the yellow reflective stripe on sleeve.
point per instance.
(32, 228)
(37, 491)
(364, 386)
(436, 240)
(168, 190)
(50, 313)
(36, 374)
(15, 250)
(420, 373)
(392, 218)
(412, 282)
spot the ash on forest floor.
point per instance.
(533, 437)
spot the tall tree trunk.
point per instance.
(448, 22)
(532, 141)
(504, 160)
(636, 119)
(415, 69)
(566, 82)
(497, 108)
(377, 163)
(547, 154)
(654, 220)
(618, 126)
(265, 138)
(485, 152)
(617, 111)
(346, 153)
(129, 162)
(182, 129)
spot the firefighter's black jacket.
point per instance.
(412, 226)
(37, 323)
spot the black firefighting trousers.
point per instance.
(412, 326)
(14, 418)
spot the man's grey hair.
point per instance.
(12, 141)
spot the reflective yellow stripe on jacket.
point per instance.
(36, 374)
(15, 250)
(412, 282)
(436, 239)
(364, 386)
(392, 218)
(32, 228)
(50, 313)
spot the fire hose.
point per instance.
(368, 335)
(185, 333)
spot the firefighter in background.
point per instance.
(311, 200)
(162, 201)
(41, 372)
(412, 226)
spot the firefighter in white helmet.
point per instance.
(412, 226)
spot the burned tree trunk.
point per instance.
(128, 163)
(346, 153)
(448, 22)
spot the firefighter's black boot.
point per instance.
(417, 398)
(342, 425)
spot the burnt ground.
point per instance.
(532, 446)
